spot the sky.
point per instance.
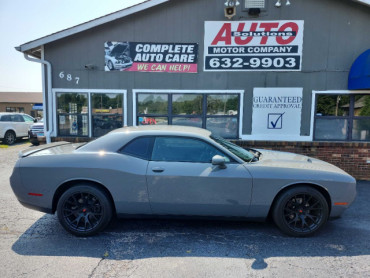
(23, 21)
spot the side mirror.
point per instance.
(219, 161)
(35, 120)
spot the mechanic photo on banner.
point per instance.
(151, 57)
(253, 45)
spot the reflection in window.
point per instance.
(153, 104)
(222, 104)
(186, 121)
(342, 117)
(152, 120)
(361, 130)
(72, 114)
(187, 104)
(332, 105)
(362, 106)
(331, 129)
(224, 127)
(107, 113)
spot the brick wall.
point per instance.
(352, 157)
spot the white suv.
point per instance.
(13, 126)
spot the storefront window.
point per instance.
(222, 104)
(342, 117)
(215, 112)
(107, 113)
(11, 109)
(153, 104)
(72, 114)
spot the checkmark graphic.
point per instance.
(275, 120)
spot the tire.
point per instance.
(9, 137)
(34, 142)
(84, 210)
(300, 211)
(110, 65)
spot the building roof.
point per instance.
(16, 97)
(33, 47)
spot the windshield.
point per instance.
(238, 151)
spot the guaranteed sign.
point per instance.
(151, 57)
(253, 45)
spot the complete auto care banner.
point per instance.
(253, 45)
(151, 57)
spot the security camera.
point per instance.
(278, 4)
(89, 66)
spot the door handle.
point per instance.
(157, 169)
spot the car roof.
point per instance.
(115, 139)
(161, 129)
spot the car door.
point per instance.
(21, 128)
(29, 121)
(182, 180)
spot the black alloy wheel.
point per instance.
(84, 210)
(300, 211)
(9, 137)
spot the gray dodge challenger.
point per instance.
(178, 171)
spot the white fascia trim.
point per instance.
(365, 2)
(333, 92)
(90, 24)
(240, 92)
(88, 91)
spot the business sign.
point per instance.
(151, 57)
(277, 112)
(253, 45)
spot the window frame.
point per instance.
(204, 116)
(55, 120)
(350, 118)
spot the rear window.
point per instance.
(139, 147)
(6, 118)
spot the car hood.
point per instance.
(295, 161)
(38, 124)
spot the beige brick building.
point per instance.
(29, 103)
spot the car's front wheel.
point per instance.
(84, 210)
(110, 65)
(300, 211)
(9, 137)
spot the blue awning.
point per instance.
(359, 76)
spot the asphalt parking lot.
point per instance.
(33, 244)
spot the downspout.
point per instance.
(48, 130)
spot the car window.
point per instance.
(6, 118)
(18, 118)
(139, 147)
(183, 149)
(27, 119)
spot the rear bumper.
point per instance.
(30, 206)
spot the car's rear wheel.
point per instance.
(84, 210)
(300, 211)
(9, 137)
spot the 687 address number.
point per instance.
(252, 63)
